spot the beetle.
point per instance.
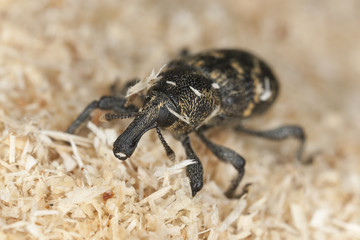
(193, 94)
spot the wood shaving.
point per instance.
(58, 56)
(171, 83)
(181, 117)
(215, 86)
(146, 83)
(266, 92)
(195, 91)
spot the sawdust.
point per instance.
(57, 56)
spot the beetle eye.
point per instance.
(165, 119)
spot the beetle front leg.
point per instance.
(195, 170)
(116, 104)
(227, 155)
(281, 133)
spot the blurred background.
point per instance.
(56, 56)
(83, 46)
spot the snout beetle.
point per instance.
(195, 93)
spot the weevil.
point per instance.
(193, 94)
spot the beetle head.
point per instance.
(153, 114)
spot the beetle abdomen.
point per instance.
(246, 84)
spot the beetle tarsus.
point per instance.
(195, 170)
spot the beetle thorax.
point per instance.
(193, 96)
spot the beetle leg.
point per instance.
(169, 152)
(281, 133)
(105, 103)
(195, 170)
(227, 155)
(184, 52)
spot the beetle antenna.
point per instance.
(169, 152)
(112, 116)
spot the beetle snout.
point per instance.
(122, 154)
(126, 143)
